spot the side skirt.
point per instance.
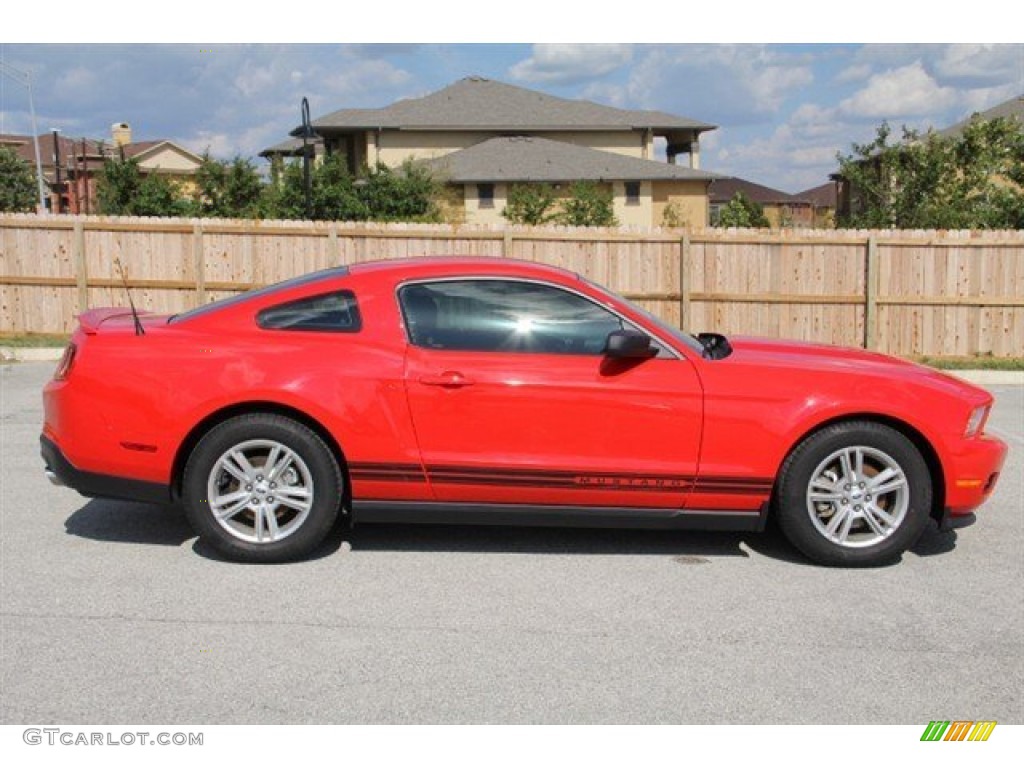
(458, 513)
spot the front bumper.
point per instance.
(60, 471)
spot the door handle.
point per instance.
(448, 380)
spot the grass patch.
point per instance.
(981, 363)
(34, 340)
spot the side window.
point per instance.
(504, 316)
(336, 312)
(485, 192)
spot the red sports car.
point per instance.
(495, 391)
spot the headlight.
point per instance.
(976, 421)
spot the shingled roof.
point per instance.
(1011, 108)
(723, 190)
(532, 158)
(479, 103)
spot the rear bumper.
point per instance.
(60, 471)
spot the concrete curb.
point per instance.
(44, 354)
(30, 354)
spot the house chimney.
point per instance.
(121, 134)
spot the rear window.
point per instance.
(337, 312)
(312, 277)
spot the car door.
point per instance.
(513, 401)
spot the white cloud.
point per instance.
(904, 92)
(566, 64)
(854, 73)
(718, 83)
(981, 65)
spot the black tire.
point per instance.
(879, 528)
(276, 529)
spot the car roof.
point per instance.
(425, 266)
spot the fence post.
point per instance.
(332, 243)
(81, 276)
(684, 280)
(871, 294)
(506, 244)
(200, 263)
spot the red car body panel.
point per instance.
(414, 424)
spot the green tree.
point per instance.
(408, 193)
(530, 204)
(124, 191)
(974, 180)
(17, 183)
(229, 189)
(741, 211)
(588, 205)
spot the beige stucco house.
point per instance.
(482, 136)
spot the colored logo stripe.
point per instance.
(958, 730)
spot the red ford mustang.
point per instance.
(495, 391)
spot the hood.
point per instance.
(859, 363)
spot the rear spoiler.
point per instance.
(91, 320)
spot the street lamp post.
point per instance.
(25, 78)
(56, 170)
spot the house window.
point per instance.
(632, 193)
(485, 193)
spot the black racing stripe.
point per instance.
(448, 474)
(398, 473)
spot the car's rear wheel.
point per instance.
(855, 493)
(262, 488)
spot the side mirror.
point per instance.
(629, 344)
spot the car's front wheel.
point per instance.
(262, 488)
(855, 493)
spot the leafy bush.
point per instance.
(530, 204)
(17, 183)
(588, 205)
(741, 211)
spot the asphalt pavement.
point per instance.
(112, 613)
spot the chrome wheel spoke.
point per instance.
(268, 523)
(895, 482)
(825, 498)
(227, 506)
(236, 468)
(278, 464)
(877, 520)
(848, 470)
(838, 519)
(294, 497)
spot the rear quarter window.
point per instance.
(336, 312)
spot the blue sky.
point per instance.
(783, 111)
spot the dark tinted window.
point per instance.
(505, 316)
(328, 312)
(486, 194)
(312, 277)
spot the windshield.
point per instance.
(213, 306)
(663, 327)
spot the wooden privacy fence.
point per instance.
(901, 292)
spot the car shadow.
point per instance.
(135, 523)
(130, 523)
(934, 542)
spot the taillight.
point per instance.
(66, 361)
